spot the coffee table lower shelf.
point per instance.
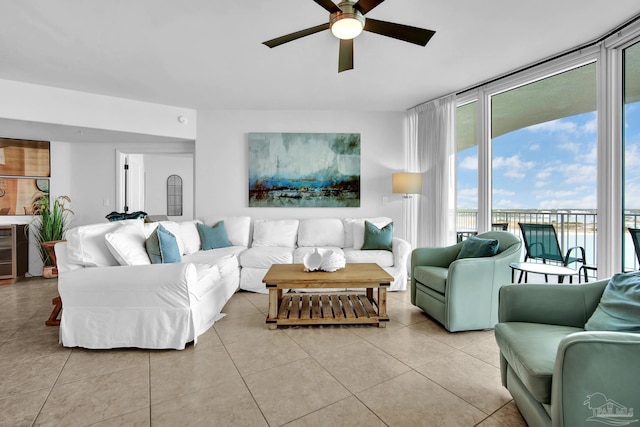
(327, 309)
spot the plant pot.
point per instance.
(49, 272)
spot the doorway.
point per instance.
(142, 183)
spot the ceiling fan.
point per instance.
(347, 21)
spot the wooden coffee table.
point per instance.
(327, 308)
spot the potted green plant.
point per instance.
(49, 227)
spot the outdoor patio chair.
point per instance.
(500, 226)
(635, 233)
(541, 242)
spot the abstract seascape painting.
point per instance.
(290, 170)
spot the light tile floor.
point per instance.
(412, 373)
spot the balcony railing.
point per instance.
(574, 228)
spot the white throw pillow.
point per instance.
(358, 229)
(348, 232)
(321, 232)
(271, 232)
(86, 244)
(238, 228)
(126, 244)
(190, 237)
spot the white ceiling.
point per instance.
(207, 54)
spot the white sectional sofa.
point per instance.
(113, 297)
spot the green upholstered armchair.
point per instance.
(557, 373)
(462, 294)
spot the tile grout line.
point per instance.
(149, 370)
(242, 378)
(52, 387)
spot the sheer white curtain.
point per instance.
(431, 150)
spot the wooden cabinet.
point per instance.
(14, 253)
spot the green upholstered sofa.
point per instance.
(462, 294)
(557, 373)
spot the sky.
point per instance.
(550, 165)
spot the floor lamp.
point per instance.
(408, 183)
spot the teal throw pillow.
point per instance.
(377, 238)
(162, 246)
(213, 237)
(477, 247)
(619, 307)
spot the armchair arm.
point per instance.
(564, 305)
(435, 257)
(591, 368)
(577, 248)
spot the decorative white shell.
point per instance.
(332, 261)
(323, 260)
(312, 261)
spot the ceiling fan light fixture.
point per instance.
(347, 24)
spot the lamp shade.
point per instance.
(407, 183)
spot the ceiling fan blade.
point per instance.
(365, 6)
(345, 57)
(294, 36)
(329, 6)
(406, 33)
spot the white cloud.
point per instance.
(573, 147)
(579, 173)
(568, 127)
(515, 167)
(555, 126)
(555, 194)
(469, 163)
(632, 156)
(506, 204)
(632, 195)
(467, 198)
(545, 173)
(534, 147)
(585, 202)
(501, 192)
(591, 126)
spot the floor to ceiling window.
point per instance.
(544, 156)
(559, 143)
(631, 141)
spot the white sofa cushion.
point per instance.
(190, 237)
(381, 257)
(126, 244)
(272, 232)
(357, 227)
(299, 253)
(238, 228)
(316, 232)
(87, 246)
(263, 257)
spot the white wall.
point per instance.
(222, 160)
(158, 167)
